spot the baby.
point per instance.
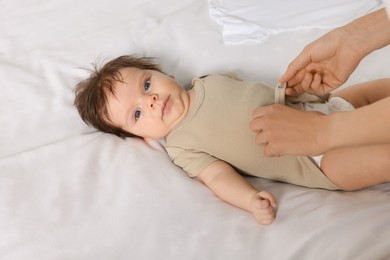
(207, 130)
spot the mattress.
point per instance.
(68, 191)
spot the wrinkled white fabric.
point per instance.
(255, 20)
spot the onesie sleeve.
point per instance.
(192, 162)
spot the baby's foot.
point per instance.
(263, 207)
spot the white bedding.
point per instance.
(70, 192)
(255, 20)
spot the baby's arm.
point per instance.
(231, 187)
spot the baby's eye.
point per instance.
(147, 85)
(137, 114)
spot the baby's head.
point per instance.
(131, 97)
(92, 93)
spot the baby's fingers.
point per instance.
(265, 220)
(262, 204)
(265, 195)
(262, 211)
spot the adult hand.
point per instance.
(327, 63)
(323, 65)
(282, 130)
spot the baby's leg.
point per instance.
(365, 93)
(357, 167)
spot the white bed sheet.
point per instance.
(255, 20)
(70, 192)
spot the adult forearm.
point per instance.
(364, 126)
(369, 33)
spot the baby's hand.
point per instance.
(263, 206)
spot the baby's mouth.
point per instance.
(163, 108)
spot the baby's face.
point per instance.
(148, 103)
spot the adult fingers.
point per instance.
(296, 81)
(306, 82)
(257, 124)
(300, 62)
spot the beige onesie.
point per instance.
(217, 128)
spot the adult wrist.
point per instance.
(368, 33)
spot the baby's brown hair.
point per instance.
(91, 93)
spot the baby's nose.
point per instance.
(152, 100)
